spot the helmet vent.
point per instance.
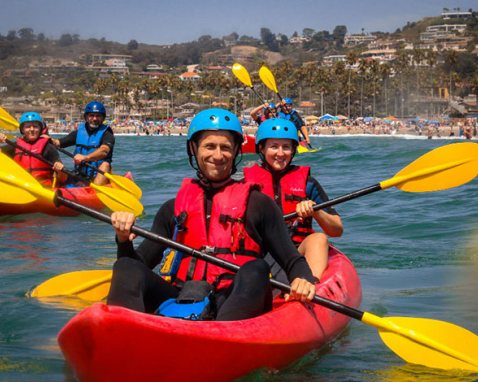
(212, 117)
(227, 118)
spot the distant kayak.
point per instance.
(302, 148)
(249, 144)
(83, 195)
(110, 343)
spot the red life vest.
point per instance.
(226, 238)
(292, 189)
(39, 169)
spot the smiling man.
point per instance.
(229, 219)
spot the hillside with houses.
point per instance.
(427, 68)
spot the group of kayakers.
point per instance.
(93, 140)
(238, 221)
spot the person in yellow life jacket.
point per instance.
(216, 214)
(294, 190)
(94, 143)
(31, 127)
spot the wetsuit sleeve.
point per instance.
(51, 153)
(265, 224)
(8, 150)
(151, 252)
(316, 193)
(69, 140)
(108, 139)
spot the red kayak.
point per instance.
(249, 144)
(83, 195)
(109, 343)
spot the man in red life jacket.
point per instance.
(216, 214)
(31, 126)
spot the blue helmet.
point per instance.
(95, 107)
(288, 101)
(271, 106)
(31, 116)
(276, 128)
(215, 119)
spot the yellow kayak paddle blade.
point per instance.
(7, 122)
(302, 150)
(242, 74)
(440, 169)
(121, 182)
(267, 77)
(92, 285)
(433, 343)
(17, 186)
(118, 200)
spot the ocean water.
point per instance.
(416, 254)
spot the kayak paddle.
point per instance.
(422, 341)
(7, 122)
(17, 186)
(269, 80)
(242, 75)
(440, 169)
(116, 180)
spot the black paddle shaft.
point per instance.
(60, 200)
(39, 157)
(340, 199)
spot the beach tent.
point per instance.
(368, 119)
(311, 118)
(342, 117)
(328, 117)
(391, 118)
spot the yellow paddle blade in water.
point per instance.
(428, 342)
(440, 169)
(92, 285)
(302, 150)
(267, 77)
(242, 74)
(124, 183)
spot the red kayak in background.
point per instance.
(249, 144)
(83, 195)
(110, 343)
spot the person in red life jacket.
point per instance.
(31, 126)
(268, 110)
(294, 190)
(213, 213)
(289, 113)
(94, 142)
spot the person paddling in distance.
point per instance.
(213, 213)
(94, 143)
(31, 127)
(289, 113)
(263, 112)
(294, 190)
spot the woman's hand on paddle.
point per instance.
(58, 166)
(305, 209)
(3, 138)
(301, 290)
(122, 222)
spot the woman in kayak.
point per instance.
(229, 219)
(263, 112)
(31, 127)
(294, 190)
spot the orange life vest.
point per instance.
(39, 169)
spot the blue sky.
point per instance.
(166, 22)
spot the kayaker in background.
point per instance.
(94, 143)
(294, 190)
(216, 214)
(287, 112)
(31, 127)
(263, 112)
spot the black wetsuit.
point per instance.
(136, 286)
